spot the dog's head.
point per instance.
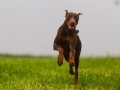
(72, 19)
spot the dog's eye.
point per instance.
(75, 16)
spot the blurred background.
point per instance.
(30, 26)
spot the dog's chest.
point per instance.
(65, 46)
(71, 38)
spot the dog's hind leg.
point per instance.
(76, 69)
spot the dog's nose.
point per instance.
(72, 24)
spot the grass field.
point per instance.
(43, 73)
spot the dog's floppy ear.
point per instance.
(80, 14)
(66, 12)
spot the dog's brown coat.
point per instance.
(68, 44)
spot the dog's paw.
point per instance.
(75, 81)
(60, 61)
(71, 72)
(71, 63)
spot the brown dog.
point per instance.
(68, 44)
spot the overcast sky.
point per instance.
(30, 26)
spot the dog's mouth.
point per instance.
(71, 25)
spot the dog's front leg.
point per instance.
(60, 55)
(72, 55)
(72, 44)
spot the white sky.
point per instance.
(30, 26)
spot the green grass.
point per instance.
(43, 73)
